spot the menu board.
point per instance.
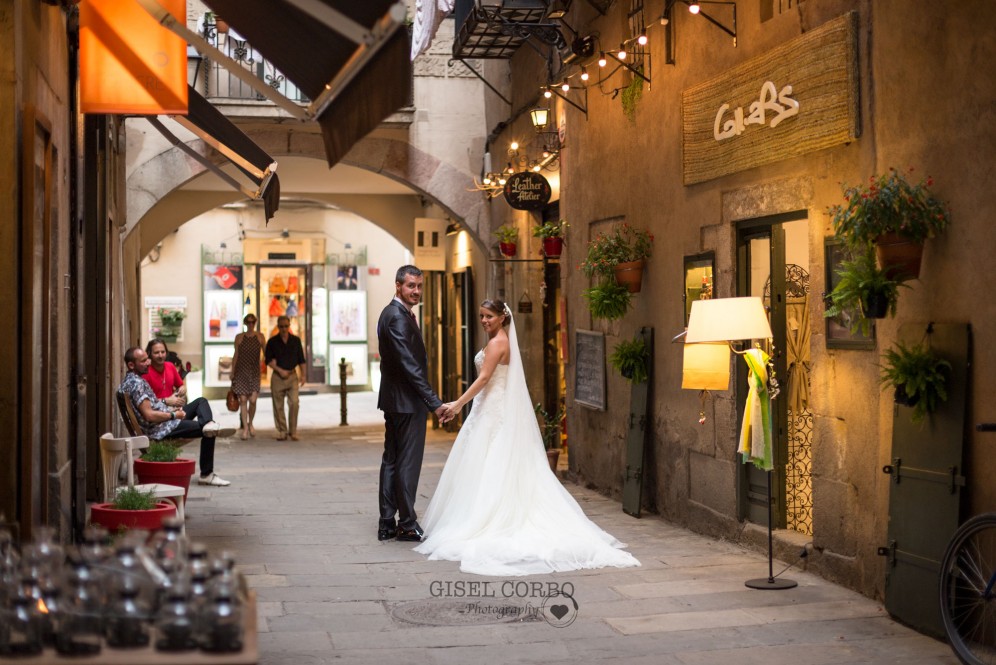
(589, 369)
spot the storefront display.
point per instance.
(348, 316)
(357, 370)
(222, 302)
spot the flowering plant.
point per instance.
(608, 250)
(889, 204)
(171, 318)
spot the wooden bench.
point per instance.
(131, 422)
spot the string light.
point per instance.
(514, 146)
(601, 60)
(622, 52)
(693, 7)
(547, 93)
(584, 73)
(642, 40)
(565, 86)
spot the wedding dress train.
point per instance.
(497, 508)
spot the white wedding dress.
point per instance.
(498, 509)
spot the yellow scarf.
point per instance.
(755, 432)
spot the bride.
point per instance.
(497, 508)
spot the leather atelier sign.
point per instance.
(527, 190)
(797, 98)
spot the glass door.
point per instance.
(282, 291)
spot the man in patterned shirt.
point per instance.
(160, 421)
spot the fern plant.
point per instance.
(863, 284)
(918, 376)
(608, 300)
(631, 359)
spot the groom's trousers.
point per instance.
(404, 445)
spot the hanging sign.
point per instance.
(128, 62)
(527, 190)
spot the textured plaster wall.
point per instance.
(922, 103)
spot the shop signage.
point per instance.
(799, 97)
(527, 190)
(589, 369)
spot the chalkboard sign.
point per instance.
(589, 369)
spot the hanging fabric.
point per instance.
(755, 432)
(797, 347)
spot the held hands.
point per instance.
(445, 412)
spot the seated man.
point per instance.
(160, 421)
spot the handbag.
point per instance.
(232, 400)
(277, 285)
(291, 308)
(292, 284)
(276, 307)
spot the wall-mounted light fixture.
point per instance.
(540, 117)
(694, 8)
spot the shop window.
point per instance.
(773, 8)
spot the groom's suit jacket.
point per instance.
(404, 371)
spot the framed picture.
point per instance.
(839, 334)
(347, 278)
(698, 285)
(357, 365)
(348, 316)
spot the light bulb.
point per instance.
(502, 181)
(642, 40)
(622, 52)
(536, 168)
(487, 179)
(565, 86)
(547, 93)
(693, 7)
(664, 19)
(584, 74)
(515, 145)
(546, 153)
(601, 59)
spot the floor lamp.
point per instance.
(728, 320)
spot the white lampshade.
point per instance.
(727, 319)
(706, 366)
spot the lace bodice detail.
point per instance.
(495, 390)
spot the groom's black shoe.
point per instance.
(413, 534)
(387, 532)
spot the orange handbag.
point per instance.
(276, 307)
(277, 285)
(292, 284)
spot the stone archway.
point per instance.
(154, 205)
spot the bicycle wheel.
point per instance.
(968, 575)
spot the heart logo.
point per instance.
(558, 611)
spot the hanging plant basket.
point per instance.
(901, 397)
(553, 247)
(507, 249)
(875, 305)
(899, 256)
(630, 275)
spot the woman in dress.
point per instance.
(498, 509)
(245, 373)
(163, 377)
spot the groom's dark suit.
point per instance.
(405, 398)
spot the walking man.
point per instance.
(285, 355)
(405, 398)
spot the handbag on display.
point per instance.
(232, 400)
(291, 307)
(291, 284)
(276, 307)
(277, 285)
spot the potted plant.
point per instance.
(894, 215)
(918, 376)
(172, 320)
(620, 254)
(608, 300)
(552, 235)
(161, 463)
(131, 509)
(631, 358)
(550, 429)
(865, 287)
(507, 235)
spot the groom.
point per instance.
(405, 398)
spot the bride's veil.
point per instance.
(519, 414)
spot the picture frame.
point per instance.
(838, 328)
(698, 280)
(357, 364)
(348, 316)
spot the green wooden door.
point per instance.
(926, 480)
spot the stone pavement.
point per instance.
(301, 519)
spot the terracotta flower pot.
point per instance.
(176, 473)
(114, 520)
(507, 249)
(630, 275)
(899, 256)
(553, 247)
(221, 25)
(553, 456)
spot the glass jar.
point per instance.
(24, 634)
(222, 623)
(176, 622)
(80, 627)
(170, 542)
(126, 623)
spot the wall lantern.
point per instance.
(540, 117)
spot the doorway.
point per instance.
(773, 264)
